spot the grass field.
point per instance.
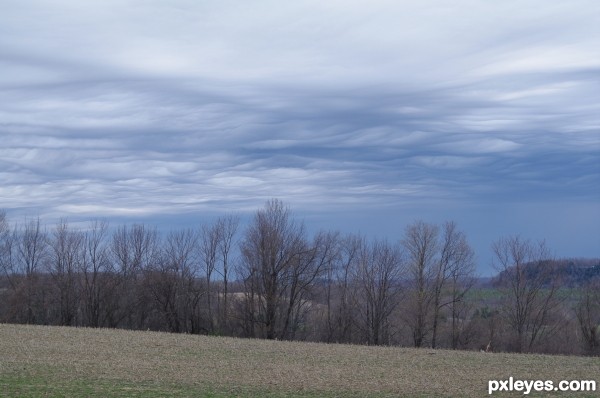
(39, 361)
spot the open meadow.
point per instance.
(61, 361)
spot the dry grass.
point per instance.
(56, 361)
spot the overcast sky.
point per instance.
(362, 116)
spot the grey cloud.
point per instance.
(186, 107)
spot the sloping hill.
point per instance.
(572, 272)
(73, 362)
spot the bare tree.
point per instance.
(526, 273)
(588, 317)
(421, 245)
(313, 259)
(96, 272)
(275, 259)
(227, 226)
(455, 267)
(210, 237)
(133, 250)
(346, 313)
(331, 286)
(378, 273)
(462, 279)
(20, 299)
(4, 231)
(215, 245)
(5, 247)
(65, 258)
(31, 246)
(176, 287)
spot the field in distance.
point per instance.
(58, 361)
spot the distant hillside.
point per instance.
(570, 272)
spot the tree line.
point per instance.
(273, 280)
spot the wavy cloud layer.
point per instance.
(137, 109)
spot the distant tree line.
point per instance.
(273, 280)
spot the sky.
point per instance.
(361, 116)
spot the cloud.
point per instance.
(126, 109)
